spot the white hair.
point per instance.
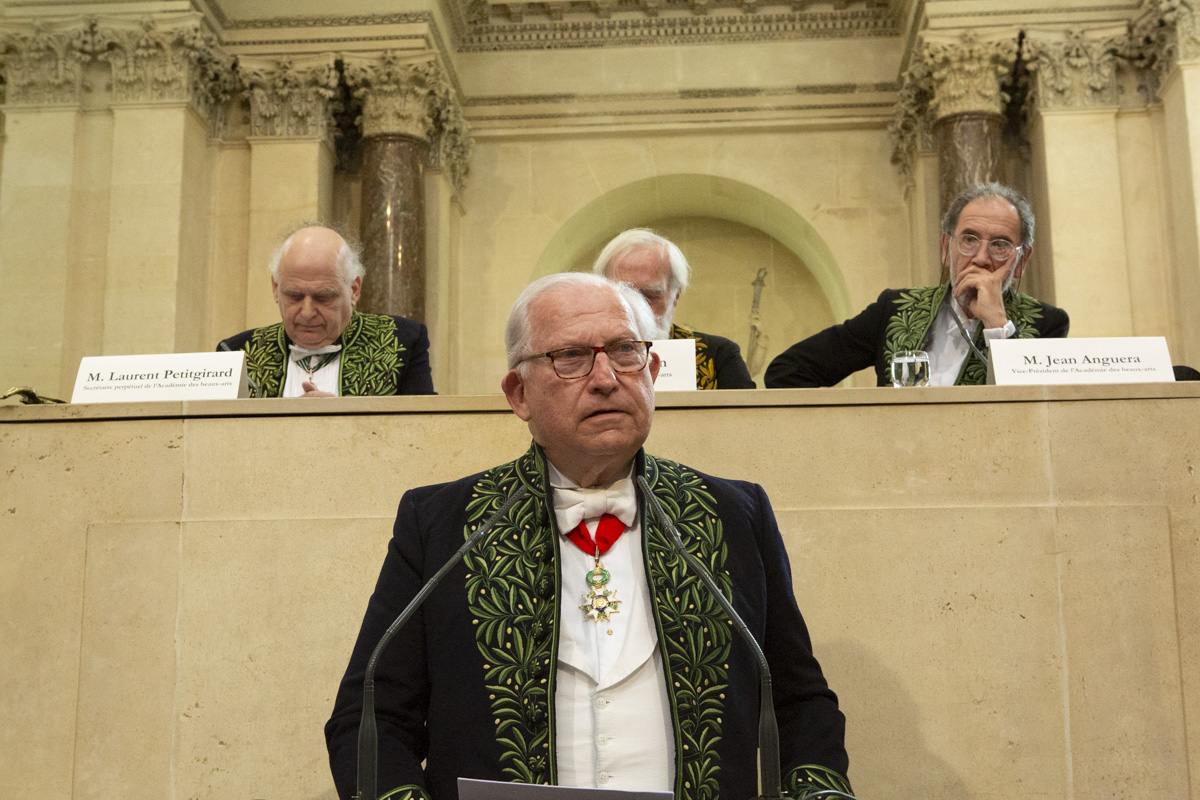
(644, 238)
(518, 333)
(349, 259)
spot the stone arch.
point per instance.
(645, 201)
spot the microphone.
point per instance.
(368, 736)
(249, 380)
(768, 728)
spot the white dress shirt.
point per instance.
(612, 714)
(948, 349)
(327, 378)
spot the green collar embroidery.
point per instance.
(372, 357)
(513, 585)
(916, 309)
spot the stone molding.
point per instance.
(412, 97)
(291, 97)
(1074, 68)
(965, 70)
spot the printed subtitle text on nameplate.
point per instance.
(1132, 359)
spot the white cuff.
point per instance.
(1007, 332)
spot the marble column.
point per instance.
(966, 104)
(393, 224)
(397, 127)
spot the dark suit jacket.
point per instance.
(382, 355)
(719, 363)
(468, 685)
(901, 319)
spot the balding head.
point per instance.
(316, 279)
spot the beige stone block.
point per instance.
(55, 478)
(1185, 555)
(1147, 237)
(501, 179)
(1091, 275)
(127, 662)
(615, 162)
(563, 181)
(1088, 438)
(944, 471)
(228, 259)
(1123, 666)
(402, 451)
(264, 636)
(939, 629)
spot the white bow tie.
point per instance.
(298, 352)
(572, 506)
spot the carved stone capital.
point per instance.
(452, 142)
(911, 126)
(161, 60)
(395, 94)
(41, 65)
(1165, 33)
(1074, 68)
(965, 70)
(291, 97)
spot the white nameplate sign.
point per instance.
(677, 358)
(166, 376)
(1134, 359)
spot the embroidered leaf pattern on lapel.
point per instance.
(706, 367)
(1023, 311)
(512, 583)
(695, 633)
(372, 356)
(915, 312)
(811, 778)
(405, 793)
(266, 359)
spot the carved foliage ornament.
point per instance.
(911, 125)
(291, 99)
(41, 67)
(150, 61)
(966, 73)
(415, 99)
(1075, 70)
(1167, 32)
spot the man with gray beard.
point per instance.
(987, 238)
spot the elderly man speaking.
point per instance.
(324, 347)
(573, 646)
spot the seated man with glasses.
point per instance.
(573, 645)
(987, 238)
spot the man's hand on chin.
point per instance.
(310, 390)
(981, 294)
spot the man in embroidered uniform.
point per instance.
(573, 646)
(324, 347)
(655, 267)
(987, 238)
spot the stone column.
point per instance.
(1081, 245)
(1166, 41)
(291, 161)
(397, 126)
(41, 111)
(166, 78)
(967, 105)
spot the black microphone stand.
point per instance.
(768, 729)
(368, 735)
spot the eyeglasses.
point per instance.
(626, 357)
(999, 250)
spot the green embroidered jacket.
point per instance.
(468, 686)
(381, 355)
(901, 319)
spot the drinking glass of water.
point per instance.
(910, 368)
